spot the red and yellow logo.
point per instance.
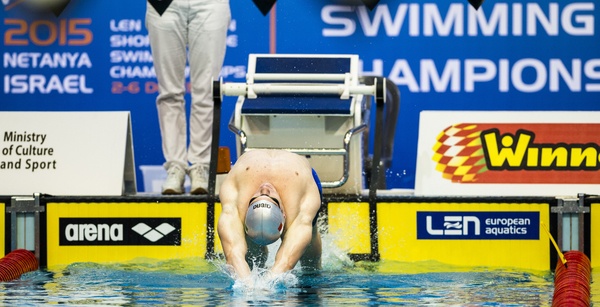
(519, 153)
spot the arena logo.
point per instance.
(153, 234)
(530, 153)
(478, 225)
(94, 232)
(119, 231)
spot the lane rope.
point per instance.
(16, 263)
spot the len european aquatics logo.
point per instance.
(119, 231)
(468, 225)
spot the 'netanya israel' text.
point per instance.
(23, 150)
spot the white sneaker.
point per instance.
(174, 182)
(199, 177)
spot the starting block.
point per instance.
(312, 105)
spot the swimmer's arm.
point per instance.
(297, 238)
(233, 240)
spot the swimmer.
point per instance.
(267, 195)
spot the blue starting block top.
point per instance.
(298, 104)
(315, 104)
(303, 65)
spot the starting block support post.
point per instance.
(25, 223)
(570, 222)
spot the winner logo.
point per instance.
(528, 153)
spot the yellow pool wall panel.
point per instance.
(3, 231)
(73, 231)
(595, 234)
(218, 248)
(349, 227)
(397, 233)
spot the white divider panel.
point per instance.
(66, 153)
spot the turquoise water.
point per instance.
(197, 282)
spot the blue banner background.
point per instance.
(384, 39)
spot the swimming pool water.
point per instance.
(198, 282)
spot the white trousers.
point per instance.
(194, 31)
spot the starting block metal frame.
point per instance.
(570, 222)
(377, 90)
(312, 105)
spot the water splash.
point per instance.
(261, 283)
(333, 258)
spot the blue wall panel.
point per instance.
(443, 55)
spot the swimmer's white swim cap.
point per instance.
(264, 222)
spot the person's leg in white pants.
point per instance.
(200, 25)
(207, 42)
